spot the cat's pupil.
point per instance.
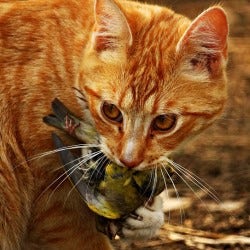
(111, 112)
(164, 122)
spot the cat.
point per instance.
(152, 79)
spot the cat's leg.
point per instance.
(148, 220)
(61, 221)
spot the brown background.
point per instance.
(220, 156)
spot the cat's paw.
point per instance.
(145, 222)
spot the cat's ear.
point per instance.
(204, 44)
(112, 33)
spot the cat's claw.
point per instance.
(146, 223)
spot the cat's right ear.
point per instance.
(112, 35)
(204, 44)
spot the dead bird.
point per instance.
(111, 191)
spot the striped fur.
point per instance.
(48, 47)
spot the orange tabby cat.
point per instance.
(152, 79)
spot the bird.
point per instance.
(111, 191)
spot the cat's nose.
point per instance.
(130, 163)
(132, 152)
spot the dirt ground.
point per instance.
(220, 156)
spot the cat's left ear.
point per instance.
(112, 34)
(204, 43)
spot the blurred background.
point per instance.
(220, 156)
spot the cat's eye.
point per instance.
(164, 122)
(111, 112)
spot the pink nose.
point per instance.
(130, 163)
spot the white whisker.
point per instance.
(83, 178)
(188, 185)
(176, 192)
(154, 175)
(196, 176)
(197, 181)
(78, 146)
(165, 183)
(65, 174)
(72, 169)
(95, 169)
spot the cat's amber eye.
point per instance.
(111, 112)
(164, 122)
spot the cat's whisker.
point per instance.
(65, 177)
(197, 181)
(62, 166)
(78, 146)
(167, 193)
(179, 173)
(83, 178)
(89, 157)
(154, 178)
(201, 186)
(197, 178)
(84, 158)
(149, 183)
(182, 213)
(197, 184)
(100, 161)
(73, 188)
(71, 170)
(95, 169)
(154, 183)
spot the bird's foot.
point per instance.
(70, 125)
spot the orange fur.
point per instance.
(46, 48)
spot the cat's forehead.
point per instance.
(130, 101)
(150, 68)
(143, 85)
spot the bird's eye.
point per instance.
(111, 112)
(164, 122)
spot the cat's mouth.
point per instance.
(126, 164)
(136, 167)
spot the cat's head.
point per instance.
(153, 78)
